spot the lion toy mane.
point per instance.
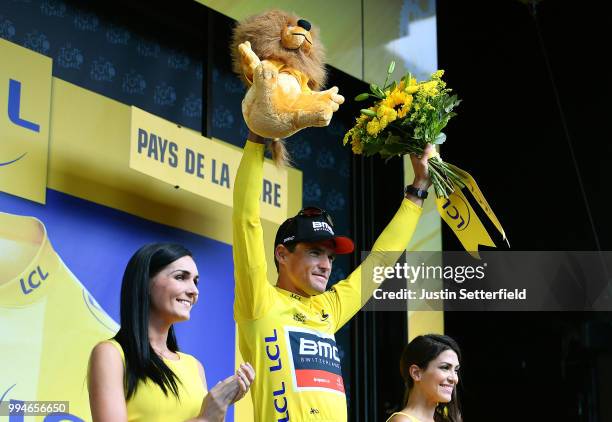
(280, 59)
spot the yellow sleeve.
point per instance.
(345, 298)
(253, 292)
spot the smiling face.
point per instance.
(439, 379)
(295, 37)
(308, 267)
(174, 290)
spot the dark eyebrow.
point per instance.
(450, 364)
(185, 272)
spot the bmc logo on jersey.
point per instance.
(322, 225)
(315, 360)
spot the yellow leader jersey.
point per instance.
(48, 321)
(288, 338)
(149, 404)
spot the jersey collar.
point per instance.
(298, 298)
(30, 282)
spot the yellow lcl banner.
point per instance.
(186, 160)
(461, 217)
(25, 94)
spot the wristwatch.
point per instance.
(419, 193)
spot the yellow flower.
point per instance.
(403, 111)
(438, 74)
(356, 145)
(430, 89)
(383, 122)
(387, 102)
(362, 118)
(398, 96)
(395, 98)
(406, 103)
(373, 127)
(386, 111)
(347, 135)
(412, 87)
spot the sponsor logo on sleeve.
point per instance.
(279, 395)
(324, 315)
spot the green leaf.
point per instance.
(450, 103)
(368, 112)
(393, 139)
(391, 67)
(371, 148)
(393, 86)
(377, 91)
(440, 138)
(362, 97)
(393, 149)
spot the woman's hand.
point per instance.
(246, 376)
(226, 392)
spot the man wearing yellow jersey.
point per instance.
(287, 330)
(48, 323)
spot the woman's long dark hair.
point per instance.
(141, 361)
(420, 351)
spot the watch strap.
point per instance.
(419, 193)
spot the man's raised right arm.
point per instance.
(252, 289)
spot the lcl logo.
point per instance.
(458, 211)
(14, 115)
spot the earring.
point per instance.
(443, 410)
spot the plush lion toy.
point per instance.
(279, 57)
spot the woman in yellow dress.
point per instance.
(430, 368)
(139, 375)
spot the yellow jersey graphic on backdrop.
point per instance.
(25, 96)
(49, 321)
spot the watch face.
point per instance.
(419, 193)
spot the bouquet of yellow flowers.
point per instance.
(404, 118)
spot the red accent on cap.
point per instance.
(344, 245)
